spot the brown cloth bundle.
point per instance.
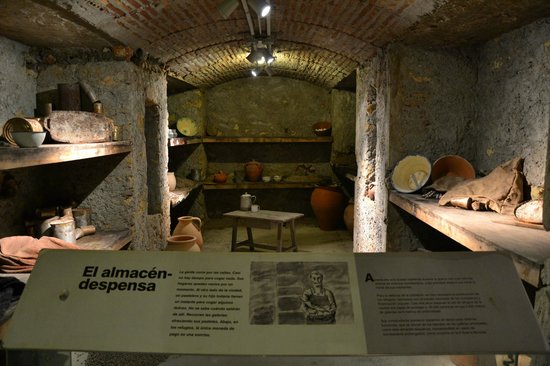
(18, 254)
(500, 191)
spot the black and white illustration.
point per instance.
(300, 293)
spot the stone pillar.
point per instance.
(369, 227)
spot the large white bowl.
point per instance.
(411, 174)
(28, 138)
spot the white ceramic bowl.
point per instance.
(411, 173)
(277, 178)
(266, 178)
(28, 138)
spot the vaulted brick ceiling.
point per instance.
(321, 41)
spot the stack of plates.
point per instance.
(19, 124)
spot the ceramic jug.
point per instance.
(246, 201)
(189, 225)
(253, 171)
(187, 243)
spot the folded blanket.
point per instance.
(18, 254)
(500, 191)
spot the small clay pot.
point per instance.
(253, 171)
(220, 177)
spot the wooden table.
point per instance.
(264, 219)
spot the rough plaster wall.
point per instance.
(182, 159)
(433, 103)
(266, 106)
(18, 84)
(262, 107)
(119, 201)
(190, 104)
(432, 108)
(514, 100)
(17, 98)
(343, 118)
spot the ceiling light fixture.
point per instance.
(228, 7)
(261, 7)
(260, 54)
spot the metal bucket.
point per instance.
(64, 229)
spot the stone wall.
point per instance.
(17, 99)
(513, 101)
(263, 107)
(116, 187)
(266, 106)
(431, 109)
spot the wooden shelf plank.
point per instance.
(256, 185)
(482, 231)
(180, 141)
(105, 240)
(212, 140)
(15, 157)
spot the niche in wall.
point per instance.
(152, 150)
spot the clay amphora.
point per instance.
(349, 218)
(186, 243)
(171, 181)
(328, 204)
(189, 225)
(253, 171)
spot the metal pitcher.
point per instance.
(246, 201)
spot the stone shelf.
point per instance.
(13, 157)
(178, 195)
(484, 231)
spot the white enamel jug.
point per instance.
(246, 201)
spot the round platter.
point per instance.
(187, 127)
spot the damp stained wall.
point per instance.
(264, 107)
(513, 101)
(487, 103)
(118, 193)
(115, 187)
(17, 98)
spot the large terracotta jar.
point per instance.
(349, 213)
(253, 171)
(189, 225)
(328, 204)
(186, 243)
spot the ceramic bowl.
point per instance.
(28, 138)
(266, 178)
(322, 128)
(411, 173)
(277, 178)
(452, 165)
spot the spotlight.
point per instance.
(260, 56)
(255, 72)
(228, 7)
(260, 7)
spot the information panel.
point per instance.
(275, 304)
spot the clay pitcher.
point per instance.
(253, 171)
(189, 225)
(328, 204)
(187, 243)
